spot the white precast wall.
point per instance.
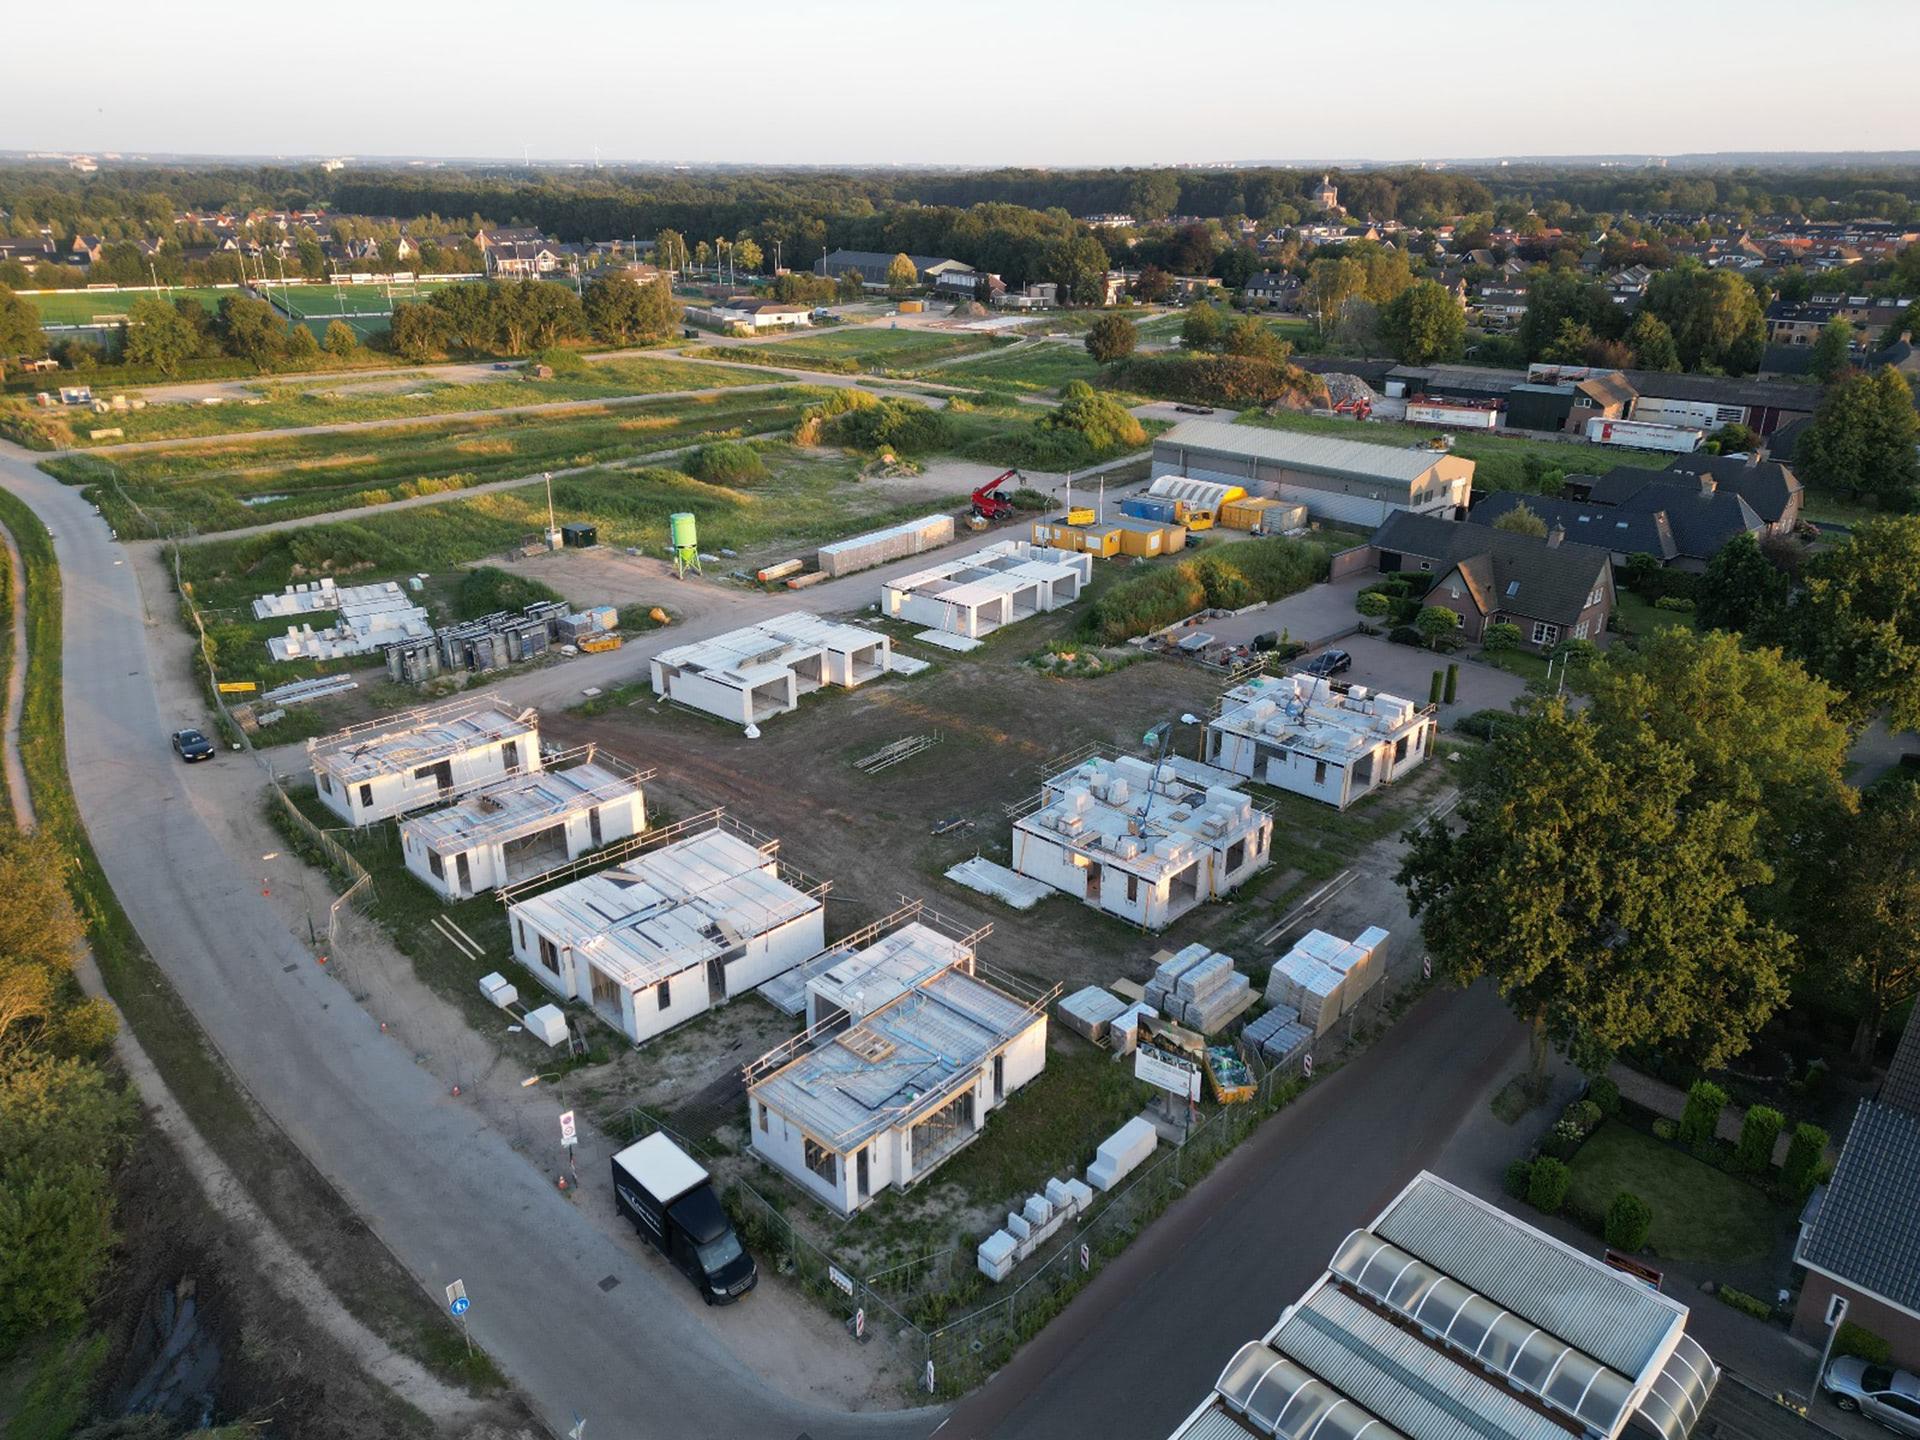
(761, 670)
(878, 547)
(367, 774)
(468, 848)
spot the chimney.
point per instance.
(1557, 534)
(1707, 483)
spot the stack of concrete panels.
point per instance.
(1123, 1031)
(1035, 1222)
(1324, 976)
(997, 1256)
(1090, 1012)
(1200, 989)
(1121, 1153)
(1308, 987)
(878, 547)
(1278, 1036)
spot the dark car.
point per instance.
(1194, 409)
(1328, 663)
(191, 745)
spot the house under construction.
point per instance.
(976, 594)
(525, 825)
(910, 1048)
(1301, 733)
(383, 768)
(1146, 843)
(761, 670)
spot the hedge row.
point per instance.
(1223, 577)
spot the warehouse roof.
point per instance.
(1725, 390)
(1866, 1230)
(667, 910)
(518, 805)
(1315, 454)
(900, 1059)
(419, 737)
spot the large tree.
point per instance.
(1111, 338)
(670, 251)
(1832, 350)
(1609, 912)
(902, 274)
(1254, 339)
(1331, 284)
(250, 329)
(1856, 623)
(1652, 343)
(1743, 591)
(1555, 297)
(1202, 327)
(612, 305)
(1862, 437)
(1079, 267)
(1424, 323)
(158, 335)
(1866, 935)
(1715, 316)
(20, 332)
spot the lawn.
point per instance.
(1699, 1213)
(1006, 432)
(303, 302)
(229, 484)
(70, 309)
(867, 348)
(1500, 461)
(1046, 365)
(292, 404)
(1637, 615)
(809, 498)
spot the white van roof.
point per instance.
(663, 1167)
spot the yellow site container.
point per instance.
(1100, 540)
(1082, 516)
(594, 644)
(912, 307)
(1245, 514)
(1149, 538)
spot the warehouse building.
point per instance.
(911, 1048)
(515, 829)
(681, 922)
(978, 593)
(372, 772)
(761, 670)
(1348, 481)
(1449, 1319)
(1299, 733)
(1141, 842)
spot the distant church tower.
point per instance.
(1327, 197)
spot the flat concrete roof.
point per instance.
(419, 737)
(516, 806)
(1304, 713)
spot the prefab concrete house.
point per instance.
(515, 829)
(978, 593)
(372, 772)
(761, 670)
(680, 922)
(915, 1048)
(1146, 846)
(1300, 733)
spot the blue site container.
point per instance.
(1150, 507)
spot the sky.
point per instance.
(989, 82)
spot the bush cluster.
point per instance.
(1547, 1186)
(1862, 1343)
(1758, 1131)
(1220, 577)
(726, 462)
(1214, 379)
(1701, 1118)
(1629, 1219)
(896, 425)
(1487, 724)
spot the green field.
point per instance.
(297, 403)
(236, 483)
(863, 348)
(1699, 1213)
(1500, 461)
(305, 302)
(84, 309)
(1044, 366)
(809, 498)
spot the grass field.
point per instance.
(83, 309)
(303, 302)
(1500, 461)
(865, 348)
(298, 403)
(808, 498)
(1699, 1213)
(229, 484)
(1040, 367)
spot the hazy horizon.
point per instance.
(852, 84)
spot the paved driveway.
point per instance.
(1407, 672)
(1314, 617)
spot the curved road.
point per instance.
(446, 1193)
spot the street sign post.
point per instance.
(1086, 1257)
(1426, 967)
(1306, 1065)
(457, 1306)
(860, 1324)
(569, 1137)
(930, 1377)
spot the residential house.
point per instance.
(1302, 733)
(1140, 841)
(1860, 1232)
(761, 670)
(1701, 516)
(683, 920)
(1769, 487)
(938, 271)
(1553, 589)
(912, 1050)
(384, 768)
(1800, 323)
(1344, 480)
(524, 259)
(745, 312)
(85, 250)
(975, 595)
(1108, 220)
(1446, 1318)
(1035, 295)
(1270, 289)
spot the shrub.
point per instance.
(1453, 683)
(1746, 1304)
(1407, 635)
(1628, 1221)
(1563, 1139)
(1701, 1118)
(1665, 1129)
(1584, 1115)
(1102, 421)
(563, 363)
(1519, 1178)
(896, 425)
(726, 462)
(1804, 1155)
(815, 417)
(488, 588)
(1214, 379)
(1372, 602)
(1435, 687)
(1681, 604)
(1222, 576)
(1758, 1131)
(1502, 635)
(1604, 1094)
(1862, 1343)
(1027, 498)
(1548, 1184)
(1487, 724)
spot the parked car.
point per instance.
(503, 365)
(1890, 1396)
(191, 745)
(1194, 409)
(1327, 664)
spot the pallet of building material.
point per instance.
(1219, 1008)
(1199, 980)
(877, 547)
(1090, 1012)
(1285, 1045)
(767, 574)
(1122, 1152)
(893, 753)
(1280, 1016)
(302, 692)
(1123, 1032)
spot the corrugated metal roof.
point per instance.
(1619, 1322)
(1320, 454)
(1213, 1423)
(1274, 1396)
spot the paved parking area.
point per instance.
(1314, 617)
(1404, 671)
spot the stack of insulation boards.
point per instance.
(1200, 989)
(1323, 976)
(1278, 1035)
(1123, 1032)
(877, 547)
(1090, 1011)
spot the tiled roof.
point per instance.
(1702, 521)
(1625, 532)
(1901, 1088)
(1767, 486)
(1518, 573)
(1867, 1231)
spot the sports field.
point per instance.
(308, 302)
(96, 305)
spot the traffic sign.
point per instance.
(1306, 1065)
(568, 1136)
(1426, 967)
(1086, 1257)
(930, 1377)
(457, 1301)
(860, 1324)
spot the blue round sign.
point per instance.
(459, 1306)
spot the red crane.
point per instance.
(990, 506)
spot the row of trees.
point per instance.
(517, 316)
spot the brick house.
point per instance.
(1860, 1233)
(1552, 589)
